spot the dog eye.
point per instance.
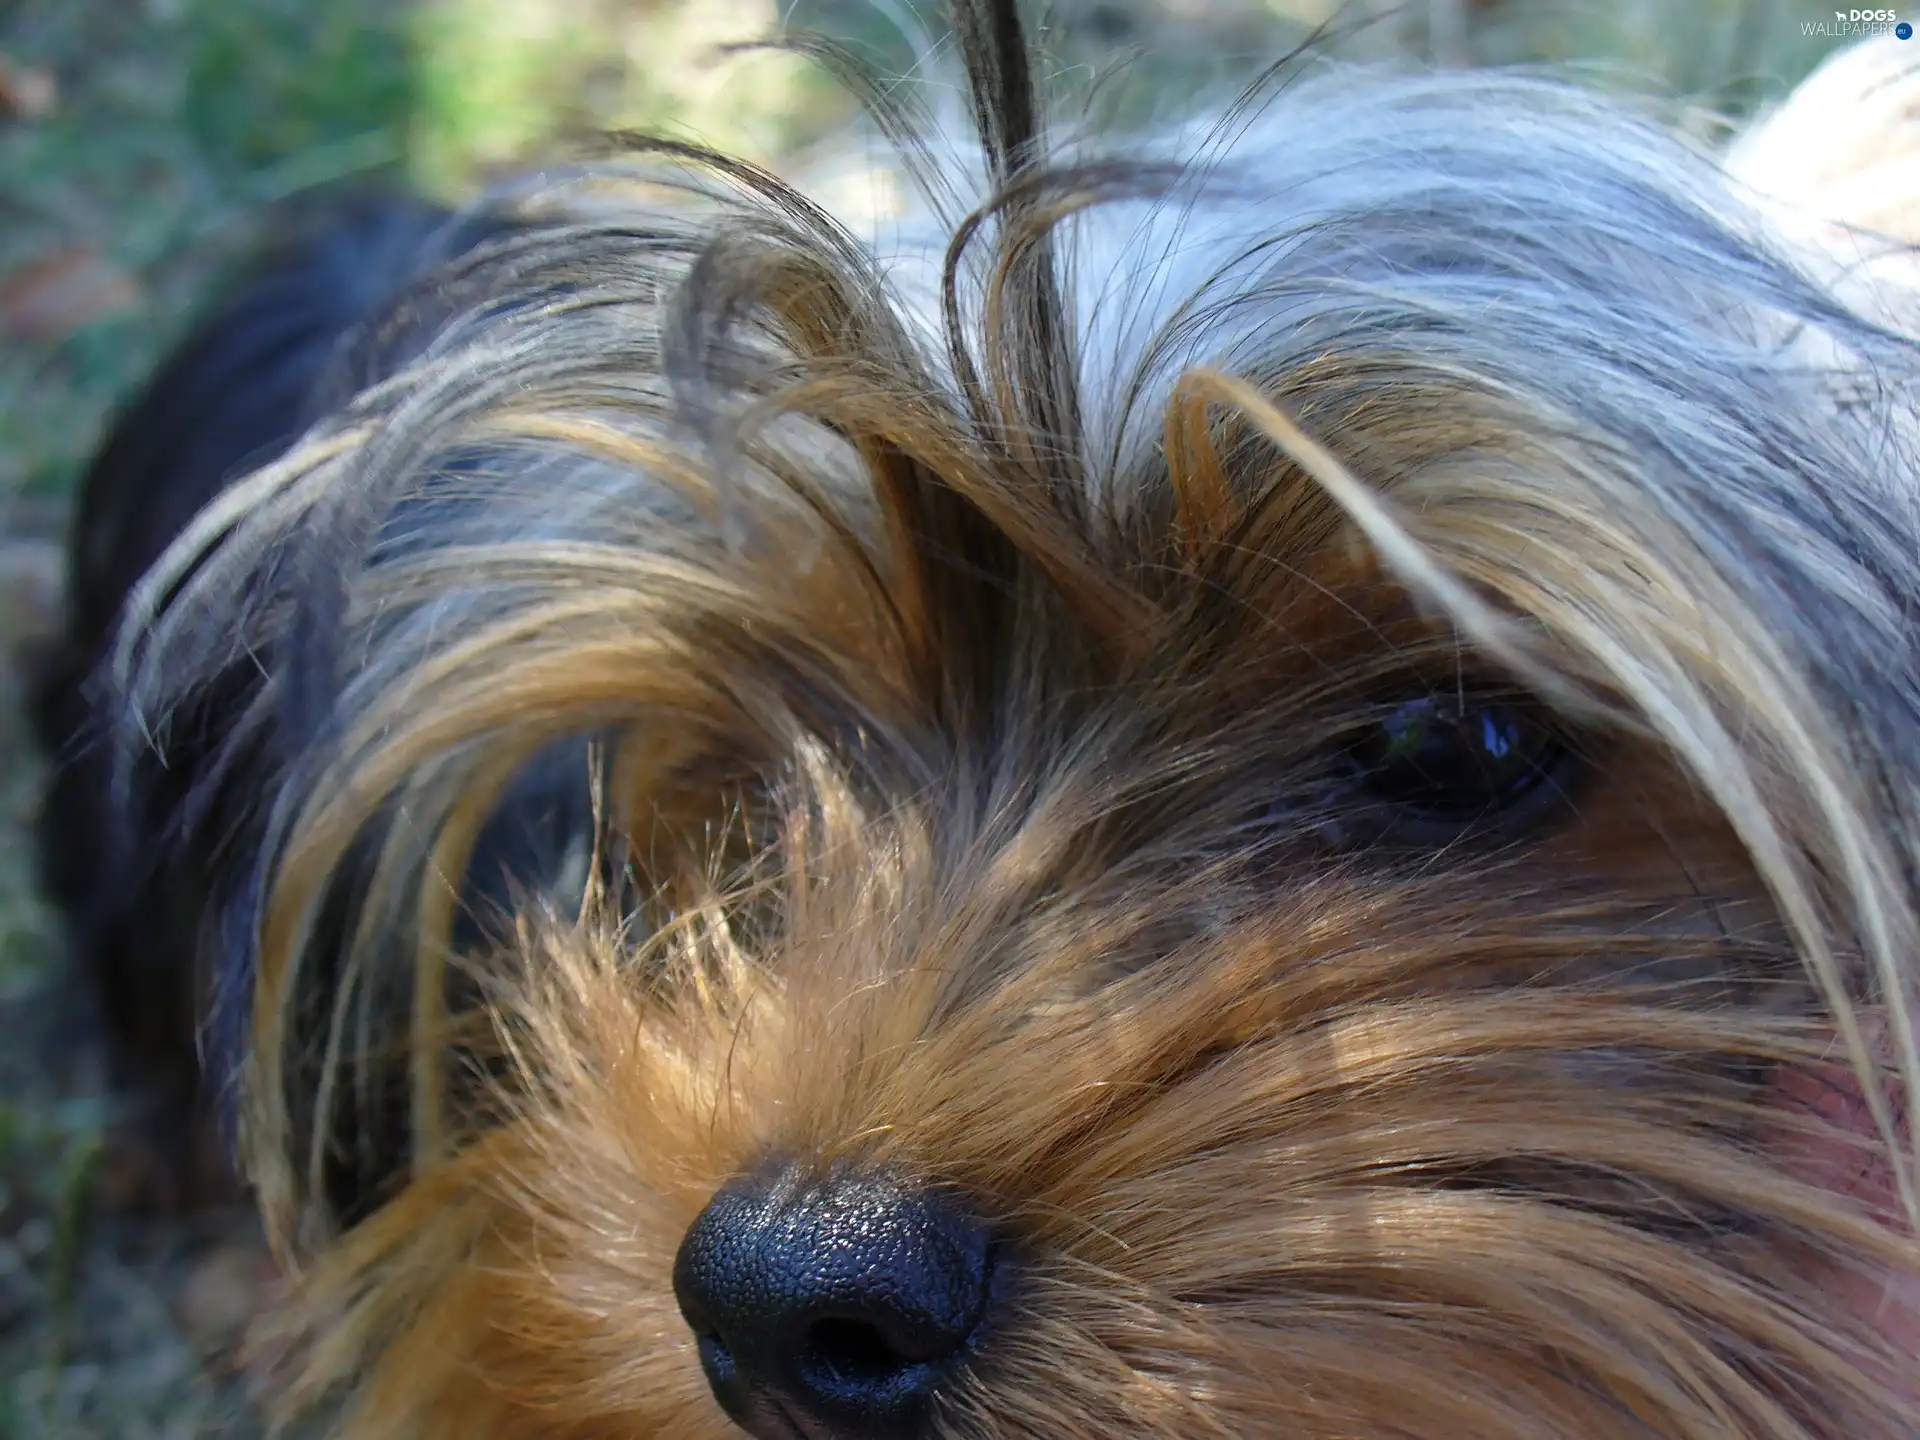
(1457, 758)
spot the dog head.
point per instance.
(1262, 792)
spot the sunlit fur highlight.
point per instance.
(961, 619)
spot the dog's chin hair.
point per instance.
(957, 662)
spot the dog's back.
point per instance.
(240, 388)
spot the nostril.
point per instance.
(854, 1350)
(852, 1372)
(716, 1358)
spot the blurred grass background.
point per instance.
(140, 139)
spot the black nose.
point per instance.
(832, 1307)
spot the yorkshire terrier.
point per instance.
(1256, 786)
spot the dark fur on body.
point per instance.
(975, 655)
(135, 853)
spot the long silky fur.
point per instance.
(953, 631)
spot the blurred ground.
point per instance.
(138, 141)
